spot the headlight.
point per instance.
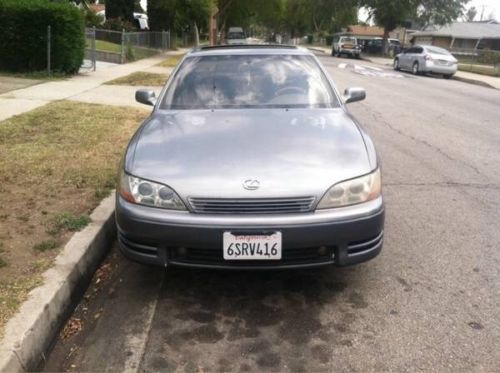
(144, 192)
(351, 192)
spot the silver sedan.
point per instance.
(421, 59)
(249, 160)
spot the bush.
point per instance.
(92, 19)
(23, 26)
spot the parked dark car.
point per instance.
(249, 160)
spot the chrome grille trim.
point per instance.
(251, 205)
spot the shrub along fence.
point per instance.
(25, 36)
(481, 61)
(122, 47)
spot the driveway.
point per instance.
(429, 302)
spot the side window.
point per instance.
(419, 50)
(411, 50)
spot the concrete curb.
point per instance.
(29, 334)
(316, 49)
(472, 81)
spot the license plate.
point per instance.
(252, 247)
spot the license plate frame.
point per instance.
(256, 246)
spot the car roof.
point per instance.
(249, 49)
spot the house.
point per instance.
(461, 35)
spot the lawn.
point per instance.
(106, 46)
(479, 69)
(171, 61)
(141, 79)
(56, 164)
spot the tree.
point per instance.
(161, 14)
(470, 14)
(439, 12)
(390, 14)
(123, 9)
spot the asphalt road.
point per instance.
(430, 301)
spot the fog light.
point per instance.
(323, 250)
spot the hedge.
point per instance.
(23, 36)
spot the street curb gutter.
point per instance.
(472, 81)
(30, 333)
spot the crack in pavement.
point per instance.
(378, 117)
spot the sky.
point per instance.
(490, 6)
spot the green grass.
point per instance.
(106, 46)
(57, 162)
(45, 245)
(141, 79)
(68, 222)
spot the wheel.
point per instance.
(333, 52)
(396, 64)
(414, 69)
(447, 76)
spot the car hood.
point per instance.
(293, 152)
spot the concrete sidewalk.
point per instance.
(80, 86)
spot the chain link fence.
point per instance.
(121, 47)
(481, 61)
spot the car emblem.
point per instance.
(251, 184)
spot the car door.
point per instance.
(403, 59)
(418, 56)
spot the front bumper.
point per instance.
(351, 52)
(340, 236)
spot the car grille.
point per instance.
(296, 256)
(251, 205)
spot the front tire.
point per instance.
(447, 76)
(415, 69)
(396, 64)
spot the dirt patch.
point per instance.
(56, 164)
(141, 78)
(9, 83)
(171, 61)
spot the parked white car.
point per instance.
(236, 35)
(421, 59)
(346, 45)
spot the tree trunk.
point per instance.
(196, 35)
(385, 43)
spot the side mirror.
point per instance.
(145, 96)
(354, 94)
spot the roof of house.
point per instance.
(463, 30)
(97, 7)
(359, 30)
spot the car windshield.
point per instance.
(438, 50)
(249, 81)
(236, 35)
(348, 40)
